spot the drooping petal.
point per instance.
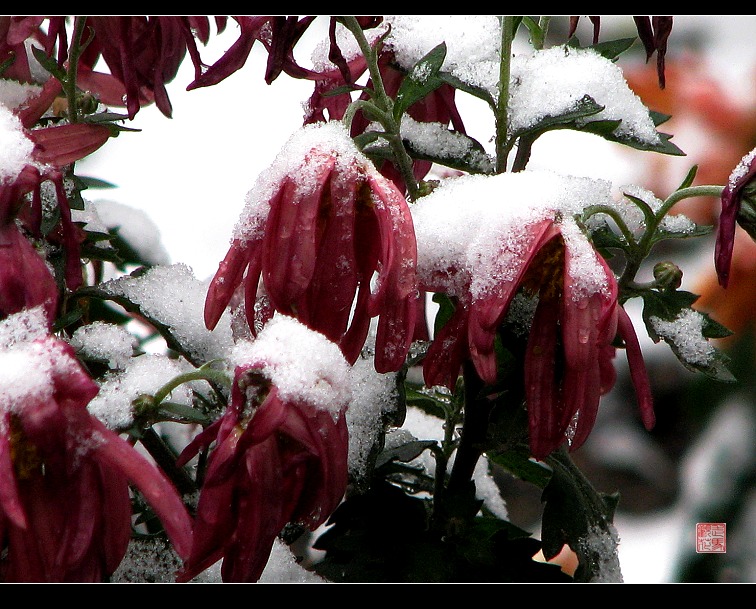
(335, 279)
(10, 503)
(541, 384)
(397, 294)
(448, 350)
(638, 372)
(742, 175)
(152, 483)
(64, 144)
(290, 244)
(226, 280)
(25, 279)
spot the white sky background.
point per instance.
(190, 174)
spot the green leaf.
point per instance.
(446, 309)
(668, 306)
(577, 515)
(66, 320)
(658, 118)
(473, 160)
(49, 64)
(746, 217)
(535, 30)
(386, 536)
(518, 463)
(612, 49)
(421, 80)
(90, 182)
(404, 453)
(573, 118)
(663, 234)
(604, 238)
(172, 411)
(461, 85)
(102, 292)
(665, 146)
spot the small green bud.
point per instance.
(668, 275)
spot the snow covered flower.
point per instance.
(332, 241)
(732, 197)
(533, 250)
(280, 451)
(30, 157)
(65, 508)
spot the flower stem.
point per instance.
(385, 106)
(74, 52)
(502, 118)
(166, 460)
(201, 374)
(474, 430)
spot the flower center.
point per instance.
(25, 456)
(545, 275)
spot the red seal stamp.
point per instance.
(711, 537)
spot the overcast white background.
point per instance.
(190, 175)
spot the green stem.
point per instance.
(543, 24)
(201, 374)
(166, 460)
(643, 249)
(74, 52)
(614, 215)
(385, 106)
(502, 117)
(474, 430)
(687, 193)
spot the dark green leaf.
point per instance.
(688, 181)
(573, 118)
(665, 305)
(658, 118)
(66, 320)
(604, 238)
(695, 231)
(404, 453)
(613, 48)
(102, 292)
(665, 146)
(668, 305)
(421, 80)
(90, 182)
(461, 85)
(446, 309)
(518, 463)
(49, 64)
(110, 120)
(577, 515)
(747, 213)
(473, 160)
(172, 411)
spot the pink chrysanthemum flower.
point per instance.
(280, 453)
(333, 244)
(65, 509)
(30, 157)
(484, 249)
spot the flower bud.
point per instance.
(668, 276)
